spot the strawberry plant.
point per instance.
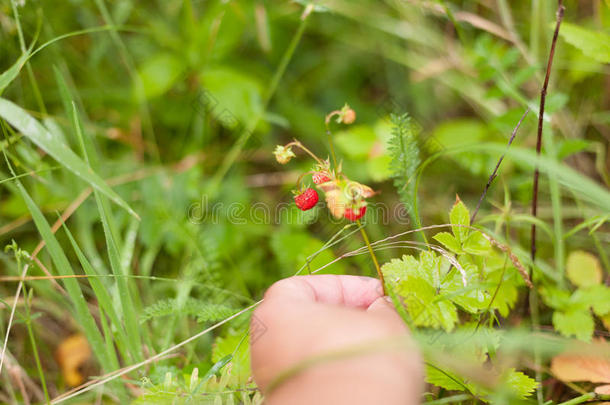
(142, 218)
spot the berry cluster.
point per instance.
(344, 198)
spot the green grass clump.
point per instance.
(141, 207)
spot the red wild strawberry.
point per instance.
(307, 199)
(354, 214)
(320, 177)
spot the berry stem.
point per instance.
(368, 245)
(330, 138)
(302, 147)
(332, 148)
(300, 179)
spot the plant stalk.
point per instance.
(543, 92)
(533, 296)
(591, 396)
(368, 245)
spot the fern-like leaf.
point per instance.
(203, 311)
(404, 151)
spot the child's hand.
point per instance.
(307, 316)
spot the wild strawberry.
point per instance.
(306, 199)
(283, 154)
(354, 214)
(320, 177)
(347, 115)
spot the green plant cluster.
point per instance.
(139, 197)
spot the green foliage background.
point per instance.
(164, 114)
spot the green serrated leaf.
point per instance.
(598, 297)
(449, 241)
(505, 296)
(520, 384)
(476, 244)
(403, 149)
(459, 215)
(556, 298)
(445, 379)
(574, 323)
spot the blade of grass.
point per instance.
(37, 133)
(11, 73)
(127, 304)
(62, 265)
(101, 293)
(585, 188)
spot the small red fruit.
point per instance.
(320, 177)
(307, 199)
(354, 214)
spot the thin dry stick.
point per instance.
(560, 12)
(495, 172)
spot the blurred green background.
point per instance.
(183, 102)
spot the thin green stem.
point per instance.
(28, 324)
(302, 147)
(31, 77)
(234, 152)
(533, 299)
(370, 248)
(330, 137)
(332, 148)
(586, 398)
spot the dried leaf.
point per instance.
(71, 354)
(592, 367)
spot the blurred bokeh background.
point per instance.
(183, 102)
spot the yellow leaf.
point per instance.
(583, 269)
(71, 354)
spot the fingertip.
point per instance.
(382, 307)
(351, 291)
